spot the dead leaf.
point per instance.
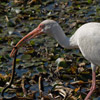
(73, 69)
(77, 89)
(82, 64)
(77, 82)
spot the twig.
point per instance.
(41, 88)
(23, 86)
(12, 77)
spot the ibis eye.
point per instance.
(42, 26)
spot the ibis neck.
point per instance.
(64, 41)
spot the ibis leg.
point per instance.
(93, 85)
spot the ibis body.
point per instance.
(86, 38)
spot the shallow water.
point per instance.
(41, 52)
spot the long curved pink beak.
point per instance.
(32, 34)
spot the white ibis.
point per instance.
(86, 38)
